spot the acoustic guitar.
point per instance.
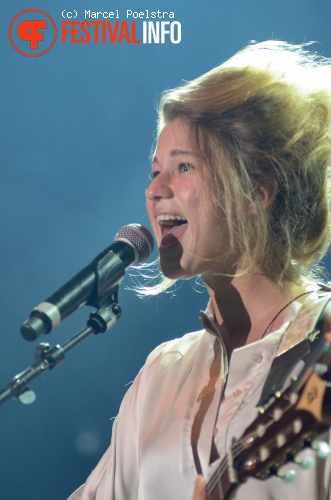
(293, 420)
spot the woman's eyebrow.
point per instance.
(178, 152)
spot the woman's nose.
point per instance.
(160, 187)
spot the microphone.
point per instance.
(133, 244)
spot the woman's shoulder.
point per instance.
(178, 347)
(166, 366)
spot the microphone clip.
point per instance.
(107, 315)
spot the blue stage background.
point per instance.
(77, 126)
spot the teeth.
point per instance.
(165, 218)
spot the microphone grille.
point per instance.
(139, 238)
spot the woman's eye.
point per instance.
(152, 175)
(185, 167)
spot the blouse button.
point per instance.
(257, 358)
(237, 393)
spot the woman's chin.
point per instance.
(176, 263)
(172, 271)
(176, 270)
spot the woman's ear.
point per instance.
(266, 194)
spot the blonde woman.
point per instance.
(238, 195)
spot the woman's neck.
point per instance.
(246, 305)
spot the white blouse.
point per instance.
(150, 457)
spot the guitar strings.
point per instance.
(236, 450)
(225, 463)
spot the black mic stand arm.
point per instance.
(49, 357)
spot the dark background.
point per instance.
(77, 126)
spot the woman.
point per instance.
(239, 195)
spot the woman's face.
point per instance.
(179, 203)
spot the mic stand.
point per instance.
(49, 357)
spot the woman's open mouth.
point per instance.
(172, 228)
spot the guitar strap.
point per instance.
(297, 341)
